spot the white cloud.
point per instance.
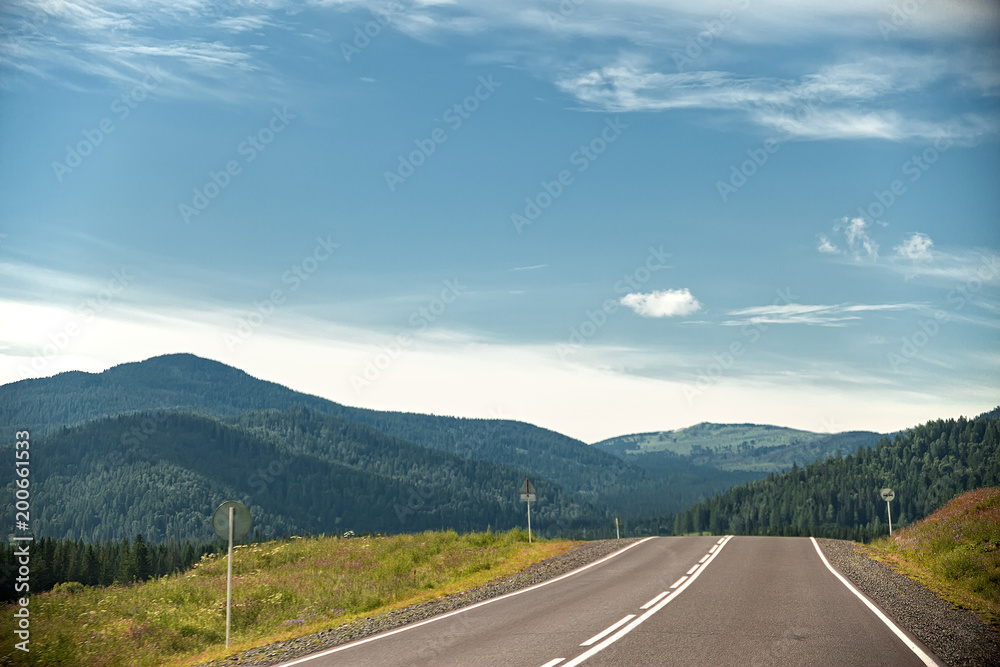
(859, 241)
(826, 246)
(917, 247)
(662, 303)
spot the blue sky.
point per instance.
(598, 217)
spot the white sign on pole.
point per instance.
(528, 496)
(231, 521)
(888, 495)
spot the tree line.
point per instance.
(56, 561)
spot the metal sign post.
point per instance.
(528, 496)
(887, 496)
(231, 521)
(229, 575)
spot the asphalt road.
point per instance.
(664, 601)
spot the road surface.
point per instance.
(663, 601)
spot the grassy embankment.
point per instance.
(954, 552)
(281, 590)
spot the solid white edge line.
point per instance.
(432, 619)
(655, 600)
(553, 662)
(926, 659)
(607, 631)
(678, 582)
(691, 571)
(704, 558)
(594, 650)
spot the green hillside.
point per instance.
(184, 382)
(162, 475)
(839, 496)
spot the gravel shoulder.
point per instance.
(958, 637)
(277, 653)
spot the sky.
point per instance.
(598, 217)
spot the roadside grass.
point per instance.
(954, 552)
(281, 590)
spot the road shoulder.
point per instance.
(274, 654)
(956, 636)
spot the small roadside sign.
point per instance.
(241, 520)
(887, 496)
(231, 521)
(527, 492)
(528, 496)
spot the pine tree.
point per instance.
(140, 556)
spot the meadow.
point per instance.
(281, 590)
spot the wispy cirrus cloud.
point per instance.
(191, 46)
(837, 315)
(960, 268)
(842, 101)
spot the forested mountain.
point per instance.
(733, 447)
(192, 384)
(184, 382)
(298, 471)
(926, 466)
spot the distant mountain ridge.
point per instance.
(734, 447)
